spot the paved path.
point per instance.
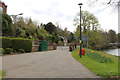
(50, 64)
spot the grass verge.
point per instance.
(101, 69)
(2, 73)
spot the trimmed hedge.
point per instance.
(17, 43)
(6, 42)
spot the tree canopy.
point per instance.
(7, 25)
(51, 28)
(112, 36)
(89, 21)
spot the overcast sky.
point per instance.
(62, 12)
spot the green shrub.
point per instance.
(19, 43)
(8, 51)
(1, 51)
(21, 50)
(60, 42)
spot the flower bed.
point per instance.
(99, 56)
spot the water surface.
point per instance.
(113, 51)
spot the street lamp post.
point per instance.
(80, 31)
(14, 20)
(118, 16)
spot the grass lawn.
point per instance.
(2, 73)
(101, 69)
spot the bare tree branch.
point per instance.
(109, 2)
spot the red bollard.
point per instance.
(83, 51)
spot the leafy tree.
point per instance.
(51, 28)
(89, 21)
(41, 34)
(112, 36)
(7, 26)
(55, 38)
(71, 37)
(20, 26)
(20, 23)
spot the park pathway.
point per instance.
(49, 64)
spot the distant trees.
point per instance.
(112, 36)
(98, 39)
(49, 27)
(118, 37)
(27, 28)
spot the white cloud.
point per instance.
(62, 11)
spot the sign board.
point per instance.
(75, 38)
(85, 38)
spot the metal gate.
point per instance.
(43, 45)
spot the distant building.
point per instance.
(3, 7)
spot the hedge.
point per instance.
(17, 43)
(6, 42)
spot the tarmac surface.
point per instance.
(48, 64)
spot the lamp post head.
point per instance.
(80, 4)
(20, 14)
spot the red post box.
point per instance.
(83, 51)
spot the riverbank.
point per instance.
(113, 51)
(100, 68)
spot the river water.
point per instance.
(113, 51)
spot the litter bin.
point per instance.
(83, 51)
(75, 46)
(54, 46)
(71, 47)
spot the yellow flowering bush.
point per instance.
(99, 56)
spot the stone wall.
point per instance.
(35, 45)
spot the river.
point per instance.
(113, 51)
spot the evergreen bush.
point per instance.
(21, 50)
(8, 50)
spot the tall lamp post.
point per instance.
(14, 20)
(80, 4)
(118, 17)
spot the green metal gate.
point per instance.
(43, 45)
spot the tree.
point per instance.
(89, 21)
(71, 37)
(7, 25)
(20, 26)
(51, 28)
(112, 36)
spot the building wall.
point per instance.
(4, 7)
